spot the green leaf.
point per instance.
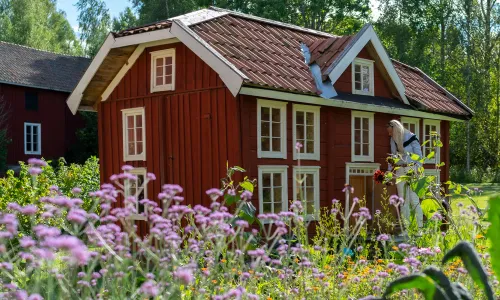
(462, 291)
(440, 278)
(430, 155)
(414, 156)
(231, 199)
(472, 263)
(239, 169)
(247, 186)
(493, 233)
(420, 186)
(247, 212)
(421, 282)
(429, 207)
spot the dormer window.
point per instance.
(362, 77)
(163, 70)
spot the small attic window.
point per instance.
(362, 77)
(162, 70)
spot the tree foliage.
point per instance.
(94, 22)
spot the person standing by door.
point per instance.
(403, 144)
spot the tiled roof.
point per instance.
(269, 54)
(422, 89)
(20, 65)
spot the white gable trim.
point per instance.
(76, 96)
(337, 102)
(368, 35)
(229, 74)
(145, 37)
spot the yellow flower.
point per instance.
(479, 236)
(380, 260)
(269, 298)
(214, 281)
(223, 261)
(395, 248)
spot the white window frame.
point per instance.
(363, 62)
(125, 113)
(284, 187)
(137, 172)
(371, 146)
(282, 107)
(359, 169)
(433, 172)
(39, 138)
(316, 112)
(162, 54)
(415, 121)
(297, 170)
(437, 155)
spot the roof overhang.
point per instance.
(339, 102)
(229, 74)
(366, 35)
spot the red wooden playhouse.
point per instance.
(182, 97)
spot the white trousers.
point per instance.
(412, 203)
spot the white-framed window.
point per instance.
(33, 138)
(134, 134)
(362, 77)
(362, 136)
(138, 189)
(433, 172)
(163, 70)
(271, 129)
(273, 189)
(306, 129)
(412, 124)
(430, 126)
(306, 189)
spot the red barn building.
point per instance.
(182, 97)
(34, 86)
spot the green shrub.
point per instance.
(4, 142)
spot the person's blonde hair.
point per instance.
(398, 132)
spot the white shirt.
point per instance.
(413, 148)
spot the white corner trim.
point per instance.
(369, 35)
(76, 96)
(130, 63)
(317, 115)
(229, 74)
(337, 102)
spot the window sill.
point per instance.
(363, 93)
(162, 88)
(134, 158)
(306, 157)
(281, 155)
(137, 217)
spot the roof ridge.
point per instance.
(273, 22)
(41, 50)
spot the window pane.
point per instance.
(265, 144)
(357, 136)
(140, 147)
(168, 60)
(264, 113)
(310, 207)
(357, 86)
(277, 179)
(266, 208)
(35, 146)
(266, 180)
(168, 70)
(28, 130)
(276, 144)
(365, 136)
(138, 133)
(310, 147)
(300, 131)
(266, 194)
(159, 62)
(277, 195)
(159, 71)
(365, 149)
(276, 129)
(357, 149)
(28, 137)
(310, 133)
(357, 77)
(159, 80)
(357, 123)
(277, 207)
(138, 121)
(309, 180)
(357, 68)
(130, 122)
(131, 137)
(365, 123)
(276, 115)
(168, 79)
(310, 118)
(35, 130)
(302, 142)
(264, 129)
(366, 78)
(131, 148)
(299, 117)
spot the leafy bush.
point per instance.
(4, 142)
(86, 140)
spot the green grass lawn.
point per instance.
(489, 190)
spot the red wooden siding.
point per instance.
(58, 125)
(344, 83)
(190, 133)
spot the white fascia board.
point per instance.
(368, 35)
(338, 102)
(145, 37)
(229, 74)
(75, 98)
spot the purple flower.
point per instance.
(37, 162)
(21, 295)
(298, 146)
(35, 297)
(396, 200)
(241, 223)
(383, 237)
(127, 168)
(29, 210)
(77, 215)
(151, 176)
(214, 193)
(27, 242)
(34, 171)
(246, 195)
(76, 190)
(184, 275)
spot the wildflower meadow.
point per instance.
(62, 247)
